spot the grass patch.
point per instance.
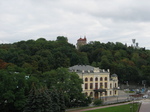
(129, 92)
(133, 107)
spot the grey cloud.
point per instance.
(101, 20)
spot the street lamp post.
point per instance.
(144, 83)
(127, 88)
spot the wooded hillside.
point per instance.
(41, 55)
(129, 63)
(34, 71)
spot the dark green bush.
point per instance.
(98, 102)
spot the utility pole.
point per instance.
(127, 88)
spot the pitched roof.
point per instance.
(81, 67)
(82, 39)
(114, 75)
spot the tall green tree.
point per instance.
(66, 82)
(39, 100)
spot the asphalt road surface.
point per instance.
(145, 106)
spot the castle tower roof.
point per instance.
(82, 39)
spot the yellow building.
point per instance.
(97, 83)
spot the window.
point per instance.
(110, 85)
(110, 92)
(115, 85)
(86, 94)
(91, 93)
(91, 85)
(86, 85)
(115, 92)
(101, 85)
(96, 79)
(106, 93)
(96, 85)
(105, 78)
(101, 79)
(105, 84)
(86, 79)
(91, 79)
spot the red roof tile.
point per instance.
(82, 39)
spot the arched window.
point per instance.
(101, 79)
(86, 79)
(101, 85)
(115, 85)
(105, 84)
(86, 85)
(91, 79)
(110, 85)
(105, 78)
(91, 93)
(96, 79)
(110, 92)
(91, 85)
(96, 85)
(86, 94)
(106, 93)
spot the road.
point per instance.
(122, 97)
(145, 106)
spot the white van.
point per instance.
(145, 96)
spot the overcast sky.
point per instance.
(98, 20)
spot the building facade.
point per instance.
(81, 42)
(97, 83)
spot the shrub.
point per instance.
(98, 102)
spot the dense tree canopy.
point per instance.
(44, 63)
(42, 55)
(39, 56)
(126, 62)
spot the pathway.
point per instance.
(82, 110)
(145, 106)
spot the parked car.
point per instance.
(145, 96)
(148, 91)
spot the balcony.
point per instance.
(99, 90)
